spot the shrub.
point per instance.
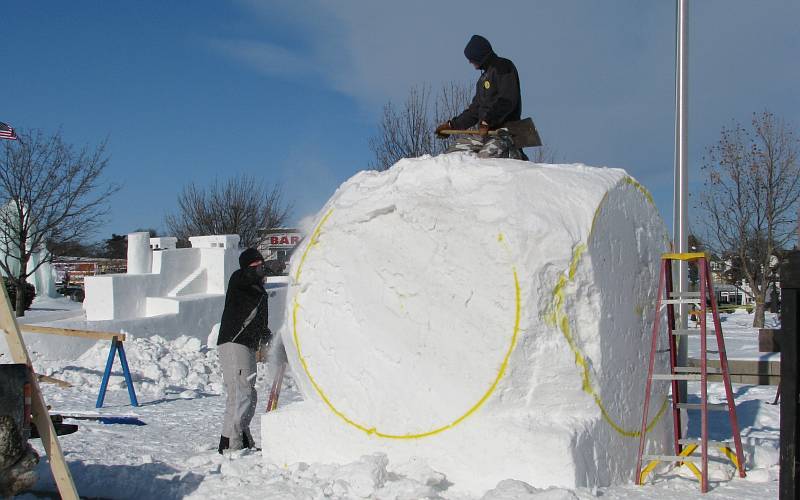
(11, 287)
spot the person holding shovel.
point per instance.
(497, 101)
(243, 332)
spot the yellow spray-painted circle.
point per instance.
(557, 317)
(372, 430)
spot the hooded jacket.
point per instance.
(245, 295)
(497, 95)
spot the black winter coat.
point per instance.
(245, 294)
(497, 97)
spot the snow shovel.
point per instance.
(523, 133)
(276, 388)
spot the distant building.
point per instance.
(73, 270)
(736, 293)
(279, 243)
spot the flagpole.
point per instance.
(680, 236)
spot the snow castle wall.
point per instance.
(490, 317)
(168, 292)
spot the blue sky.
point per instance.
(291, 92)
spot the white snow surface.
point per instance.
(174, 455)
(480, 314)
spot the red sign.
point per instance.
(284, 240)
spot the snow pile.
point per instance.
(158, 367)
(370, 476)
(489, 317)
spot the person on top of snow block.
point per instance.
(243, 332)
(497, 101)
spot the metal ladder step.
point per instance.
(710, 334)
(674, 376)
(676, 295)
(672, 458)
(681, 301)
(699, 442)
(690, 331)
(698, 406)
(696, 370)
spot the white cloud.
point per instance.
(264, 57)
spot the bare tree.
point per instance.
(544, 154)
(750, 197)
(49, 192)
(240, 205)
(453, 98)
(407, 132)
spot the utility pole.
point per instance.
(680, 236)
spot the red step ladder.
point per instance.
(685, 447)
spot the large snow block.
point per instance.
(491, 317)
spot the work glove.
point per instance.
(263, 347)
(261, 355)
(484, 130)
(442, 126)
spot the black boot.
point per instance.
(248, 443)
(224, 444)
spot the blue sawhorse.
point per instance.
(116, 347)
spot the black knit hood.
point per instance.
(478, 50)
(249, 256)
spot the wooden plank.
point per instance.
(52, 380)
(73, 333)
(41, 417)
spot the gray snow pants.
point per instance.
(239, 377)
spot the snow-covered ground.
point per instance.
(741, 340)
(174, 455)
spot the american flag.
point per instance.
(6, 132)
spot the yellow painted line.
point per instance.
(311, 243)
(633, 182)
(558, 318)
(372, 430)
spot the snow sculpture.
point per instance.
(164, 243)
(171, 292)
(43, 279)
(184, 281)
(490, 317)
(140, 258)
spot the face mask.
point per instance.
(260, 271)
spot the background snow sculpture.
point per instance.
(168, 292)
(488, 316)
(43, 279)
